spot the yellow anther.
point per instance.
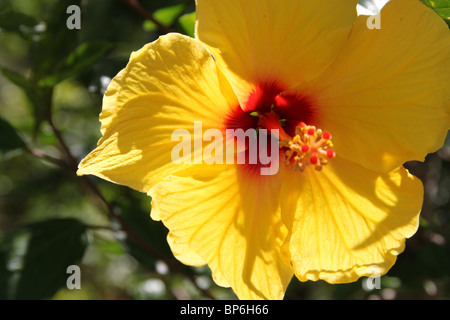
(310, 146)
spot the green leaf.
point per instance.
(56, 43)
(20, 81)
(2, 5)
(14, 21)
(165, 16)
(435, 260)
(34, 258)
(187, 23)
(24, 25)
(39, 97)
(79, 60)
(441, 7)
(9, 139)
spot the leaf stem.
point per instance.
(42, 155)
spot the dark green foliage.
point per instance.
(34, 258)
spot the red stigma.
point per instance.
(314, 159)
(305, 148)
(330, 153)
(326, 135)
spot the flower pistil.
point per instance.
(309, 146)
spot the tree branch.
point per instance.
(113, 214)
(139, 9)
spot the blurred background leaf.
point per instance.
(52, 81)
(9, 139)
(166, 16)
(79, 60)
(187, 23)
(34, 258)
(17, 22)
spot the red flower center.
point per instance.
(271, 107)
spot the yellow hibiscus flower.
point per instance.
(295, 66)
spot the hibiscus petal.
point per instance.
(347, 221)
(386, 99)
(262, 40)
(232, 221)
(167, 85)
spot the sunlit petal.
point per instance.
(291, 40)
(386, 98)
(232, 222)
(167, 85)
(348, 219)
